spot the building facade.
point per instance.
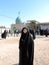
(17, 26)
(44, 26)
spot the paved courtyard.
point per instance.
(41, 51)
(9, 51)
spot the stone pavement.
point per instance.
(9, 51)
(41, 55)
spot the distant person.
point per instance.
(4, 34)
(46, 32)
(14, 32)
(32, 33)
(9, 31)
(26, 48)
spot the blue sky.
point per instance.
(29, 9)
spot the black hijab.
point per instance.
(24, 36)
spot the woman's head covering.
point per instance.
(26, 29)
(24, 34)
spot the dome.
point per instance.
(18, 20)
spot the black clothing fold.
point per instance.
(26, 50)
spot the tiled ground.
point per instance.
(41, 51)
(9, 52)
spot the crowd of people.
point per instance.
(26, 44)
(44, 32)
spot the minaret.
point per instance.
(18, 13)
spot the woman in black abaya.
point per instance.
(26, 48)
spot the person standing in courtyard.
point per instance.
(26, 48)
(33, 33)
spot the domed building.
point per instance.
(18, 24)
(18, 20)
